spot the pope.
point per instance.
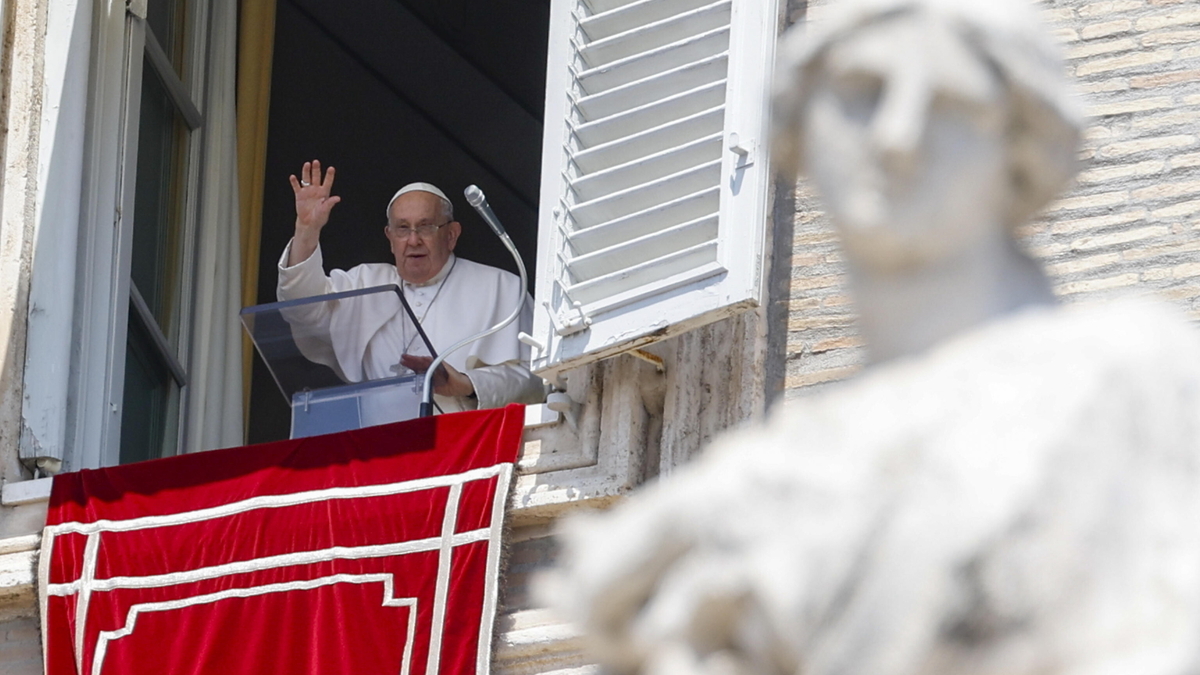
(452, 298)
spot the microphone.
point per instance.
(477, 200)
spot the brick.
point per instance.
(1103, 86)
(814, 239)
(811, 322)
(1094, 285)
(1170, 37)
(1097, 200)
(1058, 15)
(1110, 7)
(1097, 222)
(810, 283)
(1065, 35)
(837, 343)
(1136, 105)
(1178, 118)
(797, 304)
(1118, 238)
(1179, 17)
(1098, 133)
(1192, 99)
(1189, 52)
(1124, 148)
(1106, 173)
(1164, 79)
(1047, 251)
(1135, 60)
(1090, 49)
(1181, 293)
(807, 260)
(1176, 210)
(837, 301)
(1098, 30)
(1163, 190)
(1156, 275)
(1144, 253)
(1186, 271)
(1077, 265)
(830, 375)
(1180, 161)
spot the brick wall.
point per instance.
(20, 647)
(1130, 225)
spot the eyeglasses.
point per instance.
(424, 230)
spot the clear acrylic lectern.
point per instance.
(309, 346)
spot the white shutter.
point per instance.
(654, 181)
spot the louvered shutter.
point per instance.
(654, 178)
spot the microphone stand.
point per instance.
(477, 200)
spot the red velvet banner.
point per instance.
(367, 552)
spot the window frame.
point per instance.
(119, 48)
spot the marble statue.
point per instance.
(1012, 487)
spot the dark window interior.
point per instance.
(395, 91)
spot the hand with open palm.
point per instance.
(313, 204)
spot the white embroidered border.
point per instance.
(442, 588)
(491, 585)
(389, 600)
(277, 501)
(271, 562)
(445, 544)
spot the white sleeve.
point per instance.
(304, 279)
(310, 323)
(497, 386)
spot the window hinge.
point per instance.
(570, 323)
(136, 8)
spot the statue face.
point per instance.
(905, 141)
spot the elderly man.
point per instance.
(452, 298)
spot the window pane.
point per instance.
(156, 216)
(164, 18)
(148, 409)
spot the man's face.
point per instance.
(419, 258)
(905, 141)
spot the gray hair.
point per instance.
(1044, 121)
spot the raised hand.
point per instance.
(313, 204)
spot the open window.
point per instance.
(620, 141)
(620, 138)
(449, 92)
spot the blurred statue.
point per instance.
(1011, 488)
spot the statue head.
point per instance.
(925, 123)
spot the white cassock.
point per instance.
(463, 299)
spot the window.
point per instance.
(166, 118)
(654, 179)
(134, 280)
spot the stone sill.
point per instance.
(26, 492)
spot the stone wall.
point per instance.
(20, 647)
(1130, 225)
